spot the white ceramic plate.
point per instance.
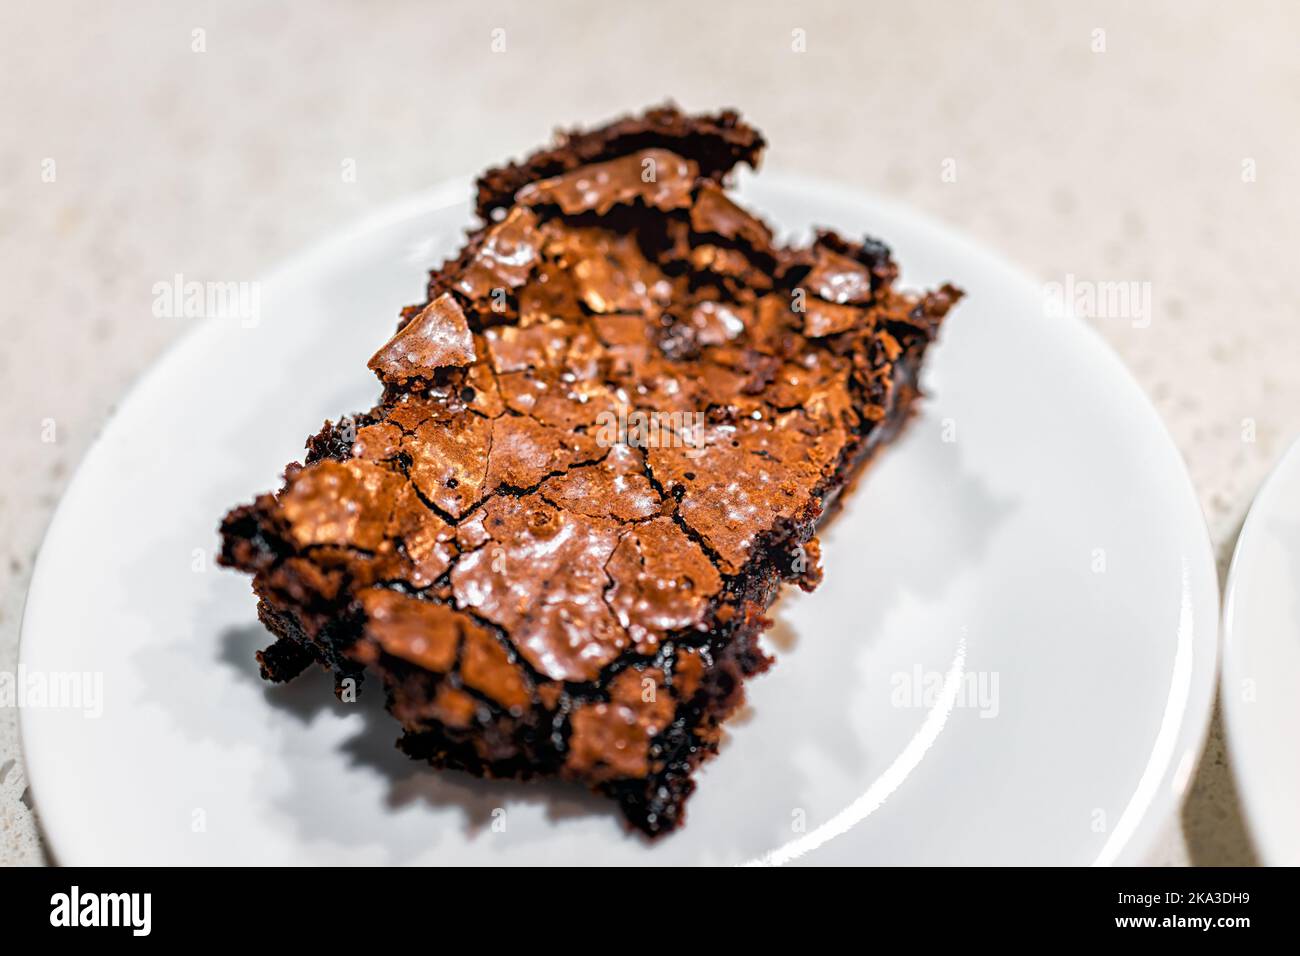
(1261, 662)
(1011, 659)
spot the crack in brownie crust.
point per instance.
(604, 443)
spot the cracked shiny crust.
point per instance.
(604, 443)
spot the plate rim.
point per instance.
(1246, 747)
(1169, 782)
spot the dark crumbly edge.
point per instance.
(514, 743)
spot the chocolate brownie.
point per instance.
(605, 441)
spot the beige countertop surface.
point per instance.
(1108, 141)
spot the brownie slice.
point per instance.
(605, 441)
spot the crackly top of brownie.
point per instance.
(715, 143)
(621, 395)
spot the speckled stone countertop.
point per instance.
(1112, 141)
